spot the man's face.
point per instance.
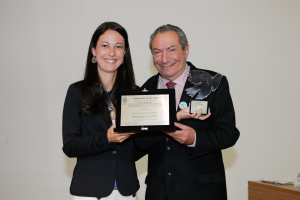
(168, 57)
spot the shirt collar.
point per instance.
(180, 80)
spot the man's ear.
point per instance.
(186, 51)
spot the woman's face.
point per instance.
(109, 52)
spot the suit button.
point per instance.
(114, 152)
(169, 173)
(168, 148)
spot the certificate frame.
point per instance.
(168, 126)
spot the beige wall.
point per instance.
(43, 47)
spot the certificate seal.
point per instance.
(182, 105)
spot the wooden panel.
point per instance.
(258, 190)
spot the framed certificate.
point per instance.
(139, 111)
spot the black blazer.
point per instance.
(177, 172)
(99, 162)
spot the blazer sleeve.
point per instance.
(223, 132)
(74, 144)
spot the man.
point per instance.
(187, 164)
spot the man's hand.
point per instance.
(116, 137)
(185, 114)
(185, 136)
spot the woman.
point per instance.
(105, 160)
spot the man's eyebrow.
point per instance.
(156, 49)
(171, 46)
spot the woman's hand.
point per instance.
(116, 137)
(185, 114)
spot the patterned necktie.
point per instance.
(170, 85)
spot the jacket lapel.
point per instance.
(184, 96)
(151, 84)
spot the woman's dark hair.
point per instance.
(93, 93)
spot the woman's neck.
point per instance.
(108, 80)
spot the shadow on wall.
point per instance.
(70, 164)
(141, 166)
(229, 157)
(153, 69)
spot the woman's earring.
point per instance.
(94, 60)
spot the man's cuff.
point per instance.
(194, 143)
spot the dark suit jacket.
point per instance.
(99, 162)
(178, 172)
